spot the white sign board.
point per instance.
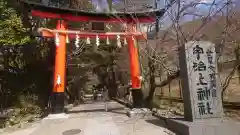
(202, 80)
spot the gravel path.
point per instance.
(91, 119)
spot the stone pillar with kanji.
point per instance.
(200, 81)
(203, 109)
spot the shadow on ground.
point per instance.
(119, 110)
(162, 122)
(71, 132)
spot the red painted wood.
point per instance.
(134, 60)
(93, 35)
(70, 17)
(60, 59)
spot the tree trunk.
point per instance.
(149, 99)
(113, 84)
(237, 55)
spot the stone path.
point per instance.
(91, 119)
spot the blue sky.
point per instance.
(102, 4)
(200, 9)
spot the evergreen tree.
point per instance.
(12, 31)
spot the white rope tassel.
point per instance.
(97, 40)
(108, 41)
(67, 39)
(88, 41)
(118, 41)
(125, 41)
(135, 42)
(77, 41)
(57, 40)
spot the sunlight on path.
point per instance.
(101, 126)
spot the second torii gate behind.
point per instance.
(61, 34)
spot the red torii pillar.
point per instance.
(59, 70)
(134, 68)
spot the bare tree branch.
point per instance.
(228, 78)
(169, 78)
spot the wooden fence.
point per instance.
(232, 93)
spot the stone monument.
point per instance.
(203, 109)
(200, 81)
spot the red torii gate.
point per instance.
(61, 34)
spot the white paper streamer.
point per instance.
(57, 40)
(88, 41)
(118, 41)
(77, 41)
(108, 41)
(97, 40)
